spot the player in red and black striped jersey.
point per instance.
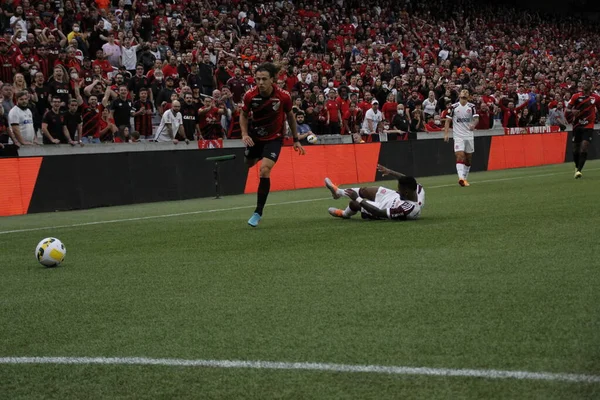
(268, 107)
(583, 106)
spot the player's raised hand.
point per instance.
(384, 171)
(298, 147)
(351, 194)
(247, 140)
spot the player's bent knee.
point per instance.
(354, 206)
(265, 171)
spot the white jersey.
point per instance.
(24, 119)
(420, 196)
(396, 208)
(176, 121)
(462, 118)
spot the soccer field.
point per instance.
(493, 294)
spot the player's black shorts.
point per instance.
(581, 134)
(268, 149)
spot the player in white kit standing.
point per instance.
(464, 119)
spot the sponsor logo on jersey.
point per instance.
(276, 105)
(464, 120)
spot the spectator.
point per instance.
(142, 114)
(21, 121)
(91, 115)
(189, 112)
(400, 124)
(417, 123)
(7, 96)
(525, 118)
(165, 93)
(556, 117)
(334, 113)
(122, 135)
(107, 127)
(171, 126)
(389, 108)
(430, 105)
(303, 129)
(73, 123)
(510, 118)
(52, 124)
(353, 119)
(434, 124)
(112, 51)
(121, 108)
(486, 117)
(209, 120)
(373, 118)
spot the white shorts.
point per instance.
(385, 198)
(466, 145)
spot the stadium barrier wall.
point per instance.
(97, 180)
(19, 177)
(593, 150)
(516, 151)
(343, 163)
(66, 182)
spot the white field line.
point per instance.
(304, 366)
(114, 221)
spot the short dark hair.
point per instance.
(271, 68)
(408, 182)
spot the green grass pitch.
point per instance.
(502, 275)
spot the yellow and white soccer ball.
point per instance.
(50, 252)
(312, 139)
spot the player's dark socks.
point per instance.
(264, 187)
(582, 160)
(576, 158)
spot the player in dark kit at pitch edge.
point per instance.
(583, 105)
(267, 106)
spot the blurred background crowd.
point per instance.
(106, 71)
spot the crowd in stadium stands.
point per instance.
(106, 71)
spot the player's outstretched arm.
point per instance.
(291, 118)
(372, 209)
(386, 171)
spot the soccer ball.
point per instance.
(312, 139)
(50, 252)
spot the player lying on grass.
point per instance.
(378, 202)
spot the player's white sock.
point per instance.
(460, 170)
(348, 212)
(466, 169)
(342, 192)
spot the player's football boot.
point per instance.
(254, 220)
(463, 182)
(466, 182)
(336, 212)
(333, 188)
(578, 174)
